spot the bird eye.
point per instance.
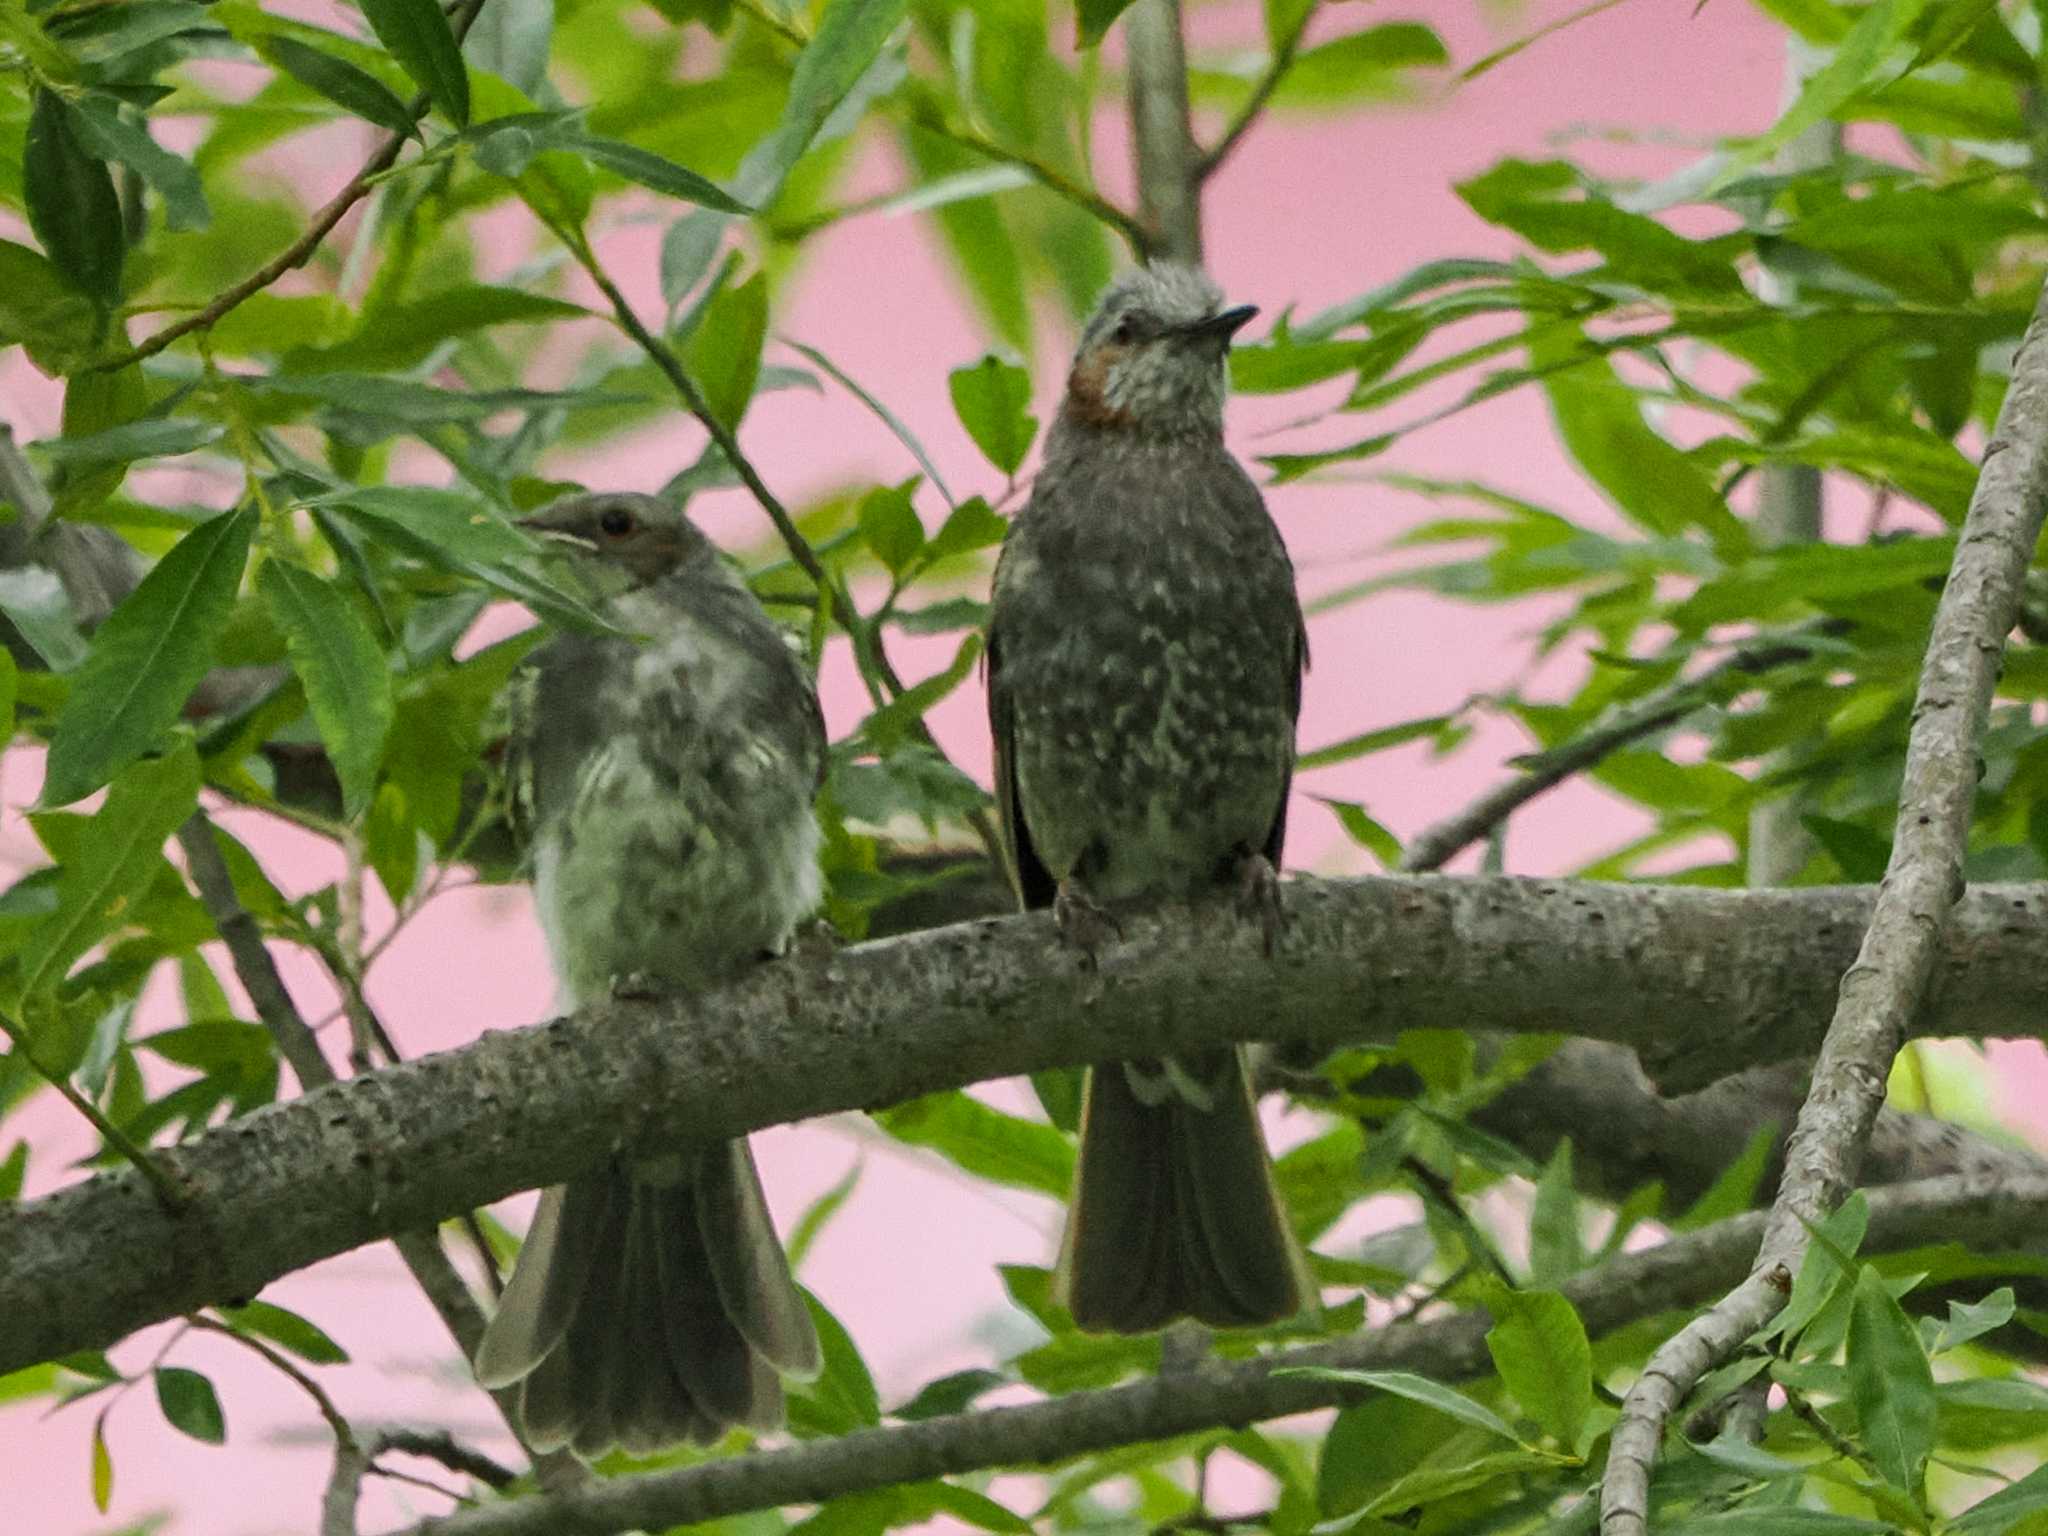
(1125, 331)
(617, 522)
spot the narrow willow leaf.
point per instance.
(848, 38)
(41, 310)
(1418, 1389)
(72, 206)
(655, 172)
(687, 251)
(820, 1213)
(1539, 1347)
(35, 603)
(950, 1394)
(843, 1397)
(348, 682)
(419, 37)
(286, 1329)
(724, 354)
(188, 1401)
(102, 1465)
(114, 865)
(986, 1142)
(1556, 1244)
(147, 658)
(354, 90)
(511, 39)
(887, 417)
(155, 438)
(103, 131)
(1093, 18)
(1890, 1383)
(993, 400)
(1363, 830)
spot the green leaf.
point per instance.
(151, 438)
(354, 90)
(147, 658)
(72, 206)
(1735, 1190)
(512, 39)
(1419, 1389)
(949, 1394)
(1369, 742)
(102, 1465)
(843, 1397)
(13, 1173)
(655, 172)
(348, 681)
(887, 417)
(849, 36)
(1556, 1245)
(103, 131)
(972, 525)
(819, 1215)
(391, 843)
(724, 352)
(1968, 1320)
(1093, 18)
(1601, 421)
(398, 336)
(993, 401)
(114, 865)
(188, 1401)
(687, 251)
(1824, 1271)
(889, 524)
(1364, 65)
(1861, 854)
(1364, 831)
(986, 1142)
(419, 37)
(42, 310)
(287, 1330)
(1890, 1383)
(1539, 1347)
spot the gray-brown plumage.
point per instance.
(666, 774)
(1145, 658)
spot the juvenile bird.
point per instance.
(666, 773)
(1145, 657)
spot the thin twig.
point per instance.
(1048, 176)
(438, 1445)
(170, 1189)
(301, 250)
(1884, 989)
(1248, 114)
(1439, 843)
(1169, 165)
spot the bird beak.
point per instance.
(1224, 326)
(538, 528)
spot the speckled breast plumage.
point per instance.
(672, 838)
(1150, 661)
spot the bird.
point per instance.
(1145, 656)
(666, 772)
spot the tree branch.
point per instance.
(1436, 845)
(301, 250)
(1268, 82)
(1700, 982)
(1217, 1393)
(1882, 994)
(1169, 167)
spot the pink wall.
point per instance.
(1309, 212)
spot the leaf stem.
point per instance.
(1276, 70)
(170, 1188)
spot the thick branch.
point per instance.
(1896, 966)
(1169, 167)
(1218, 1393)
(1703, 982)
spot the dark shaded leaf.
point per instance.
(849, 36)
(419, 37)
(72, 206)
(724, 352)
(1539, 1347)
(949, 1394)
(188, 1401)
(655, 172)
(1891, 1384)
(103, 131)
(984, 1141)
(354, 90)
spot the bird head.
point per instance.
(1151, 360)
(621, 539)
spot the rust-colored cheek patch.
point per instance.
(1086, 386)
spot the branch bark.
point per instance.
(1701, 982)
(1216, 1393)
(1895, 969)
(1169, 166)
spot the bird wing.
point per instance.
(1276, 835)
(1033, 881)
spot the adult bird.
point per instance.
(1145, 657)
(666, 773)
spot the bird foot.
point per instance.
(814, 943)
(1258, 897)
(1085, 924)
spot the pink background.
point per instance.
(1310, 211)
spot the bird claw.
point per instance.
(1258, 897)
(814, 943)
(1085, 924)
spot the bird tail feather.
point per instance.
(1175, 1211)
(651, 1304)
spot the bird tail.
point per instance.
(651, 1304)
(1175, 1212)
